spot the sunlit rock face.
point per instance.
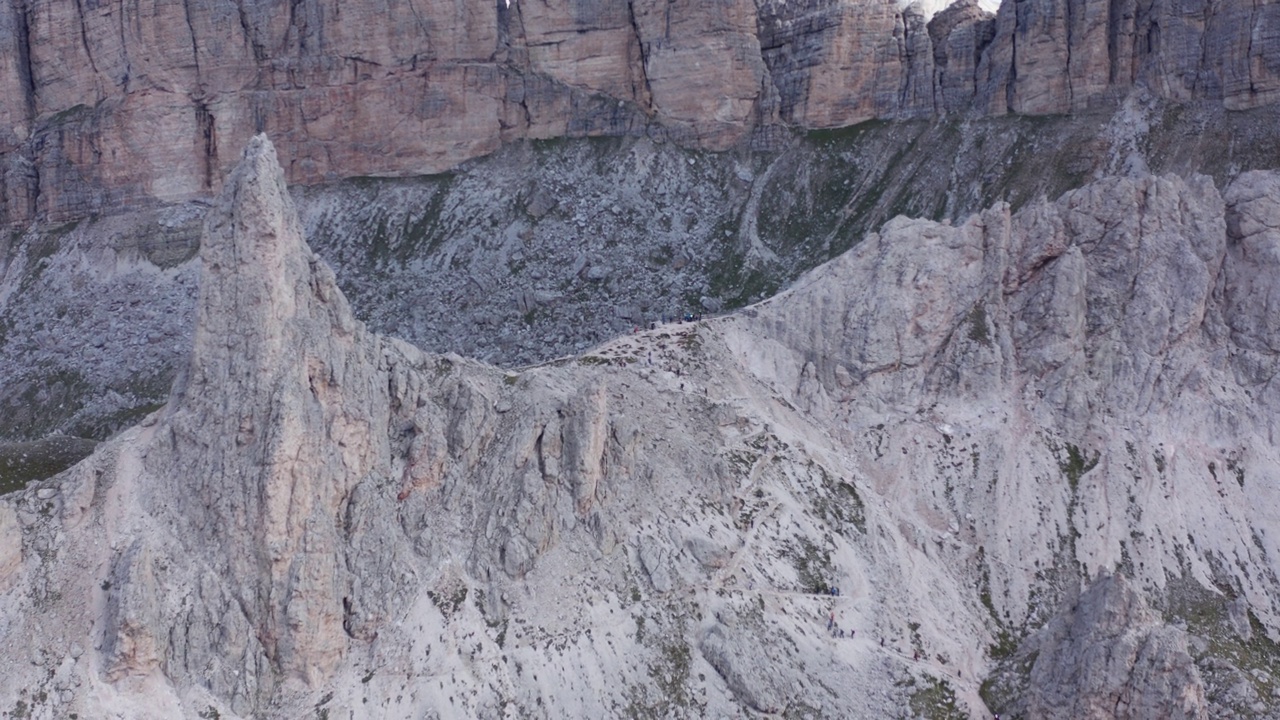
(110, 102)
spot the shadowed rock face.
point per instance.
(1107, 655)
(958, 426)
(111, 101)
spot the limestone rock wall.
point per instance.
(106, 102)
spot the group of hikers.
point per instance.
(665, 318)
(834, 628)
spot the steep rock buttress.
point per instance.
(271, 426)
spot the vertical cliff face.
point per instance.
(109, 100)
(1064, 56)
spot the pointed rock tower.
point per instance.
(270, 428)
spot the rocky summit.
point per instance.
(1021, 464)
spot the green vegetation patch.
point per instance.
(935, 699)
(1006, 642)
(738, 281)
(1003, 690)
(72, 113)
(839, 503)
(979, 330)
(396, 240)
(813, 565)
(1074, 466)
(1207, 616)
(449, 601)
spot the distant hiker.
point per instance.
(881, 642)
(915, 656)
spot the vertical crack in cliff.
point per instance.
(982, 44)
(124, 51)
(1202, 84)
(246, 29)
(1113, 40)
(195, 48)
(1011, 85)
(204, 118)
(904, 60)
(422, 25)
(644, 93)
(506, 15)
(26, 71)
(299, 26)
(1069, 16)
(209, 141)
(909, 57)
(84, 37)
(1248, 55)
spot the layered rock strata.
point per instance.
(108, 102)
(957, 426)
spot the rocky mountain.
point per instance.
(477, 469)
(545, 249)
(1031, 450)
(107, 102)
(541, 244)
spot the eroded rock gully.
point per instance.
(1029, 429)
